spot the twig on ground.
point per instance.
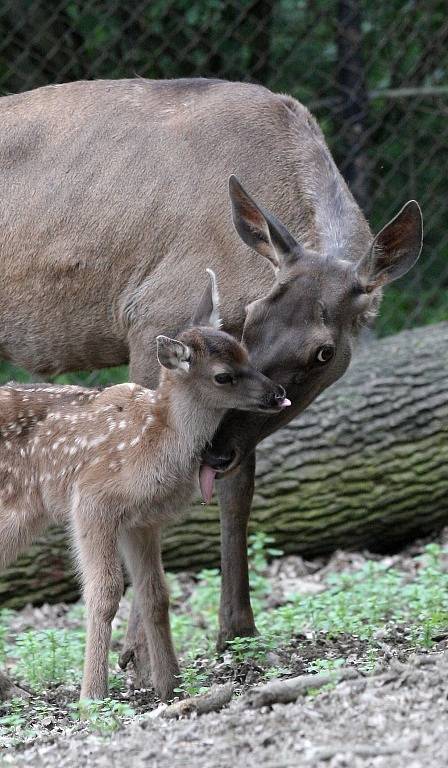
(286, 691)
(211, 701)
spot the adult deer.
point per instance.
(114, 200)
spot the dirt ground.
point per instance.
(390, 720)
(393, 717)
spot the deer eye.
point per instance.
(224, 378)
(325, 354)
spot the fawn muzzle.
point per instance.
(275, 400)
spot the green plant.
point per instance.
(368, 604)
(104, 716)
(274, 672)
(48, 657)
(326, 665)
(193, 681)
(14, 717)
(252, 648)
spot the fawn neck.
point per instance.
(184, 414)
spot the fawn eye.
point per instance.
(325, 353)
(224, 378)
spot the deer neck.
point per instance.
(190, 424)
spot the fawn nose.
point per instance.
(280, 393)
(278, 398)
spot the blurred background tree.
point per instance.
(374, 74)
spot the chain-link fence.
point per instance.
(374, 74)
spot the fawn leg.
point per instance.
(103, 586)
(144, 560)
(235, 496)
(144, 370)
(135, 648)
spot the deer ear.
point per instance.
(207, 312)
(260, 229)
(395, 249)
(172, 354)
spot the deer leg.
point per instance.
(235, 495)
(99, 559)
(135, 650)
(142, 370)
(143, 556)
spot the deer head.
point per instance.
(214, 367)
(301, 333)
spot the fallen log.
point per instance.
(212, 700)
(8, 690)
(366, 465)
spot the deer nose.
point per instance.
(278, 398)
(280, 393)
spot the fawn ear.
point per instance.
(261, 230)
(395, 249)
(207, 312)
(172, 354)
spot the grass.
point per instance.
(366, 605)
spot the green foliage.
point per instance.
(326, 665)
(22, 719)
(371, 604)
(370, 599)
(5, 615)
(48, 657)
(103, 717)
(14, 718)
(193, 681)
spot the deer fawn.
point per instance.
(117, 464)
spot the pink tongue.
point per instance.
(206, 482)
(285, 403)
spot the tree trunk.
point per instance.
(365, 466)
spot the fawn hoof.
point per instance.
(125, 658)
(138, 659)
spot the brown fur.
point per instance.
(115, 466)
(114, 200)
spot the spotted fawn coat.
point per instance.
(115, 465)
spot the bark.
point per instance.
(364, 466)
(212, 700)
(285, 691)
